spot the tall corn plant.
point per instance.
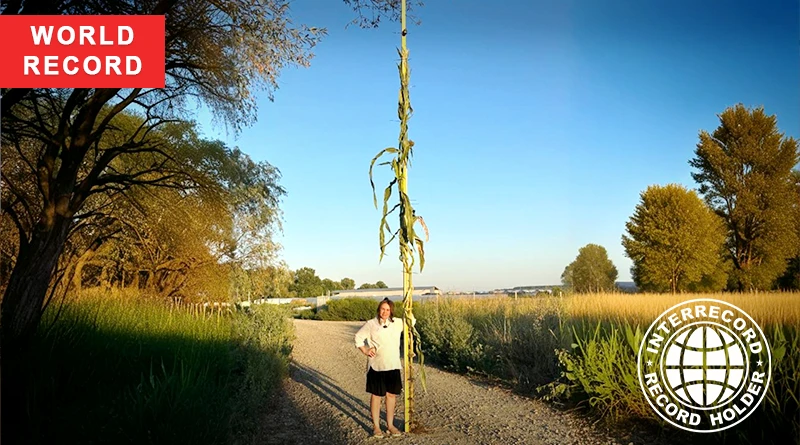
(408, 239)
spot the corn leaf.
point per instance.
(421, 250)
(372, 164)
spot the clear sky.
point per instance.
(537, 124)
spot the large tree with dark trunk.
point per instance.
(218, 53)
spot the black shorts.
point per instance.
(381, 382)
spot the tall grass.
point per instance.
(121, 369)
(494, 337)
(581, 350)
(765, 308)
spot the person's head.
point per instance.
(386, 309)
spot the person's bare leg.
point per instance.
(391, 401)
(375, 407)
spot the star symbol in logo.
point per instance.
(759, 363)
(649, 363)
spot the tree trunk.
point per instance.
(28, 286)
(20, 314)
(77, 276)
(104, 281)
(135, 282)
(150, 280)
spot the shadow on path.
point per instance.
(327, 389)
(286, 422)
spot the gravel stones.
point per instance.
(324, 402)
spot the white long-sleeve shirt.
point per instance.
(386, 341)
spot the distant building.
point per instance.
(392, 293)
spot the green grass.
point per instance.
(581, 352)
(120, 369)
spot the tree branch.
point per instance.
(18, 195)
(23, 239)
(11, 97)
(118, 108)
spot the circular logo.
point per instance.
(704, 365)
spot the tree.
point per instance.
(790, 280)
(220, 53)
(744, 169)
(169, 240)
(348, 283)
(378, 285)
(674, 240)
(329, 285)
(306, 283)
(370, 12)
(592, 271)
(278, 281)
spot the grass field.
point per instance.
(117, 368)
(581, 350)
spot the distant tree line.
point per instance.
(305, 284)
(739, 231)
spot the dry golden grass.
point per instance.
(583, 347)
(765, 308)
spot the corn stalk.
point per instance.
(408, 239)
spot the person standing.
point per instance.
(379, 339)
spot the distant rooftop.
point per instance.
(383, 289)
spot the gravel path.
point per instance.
(324, 401)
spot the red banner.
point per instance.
(76, 51)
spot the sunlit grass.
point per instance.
(581, 349)
(765, 308)
(117, 368)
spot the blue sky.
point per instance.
(537, 124)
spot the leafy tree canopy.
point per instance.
(744, 168)
(377, 285)
(592, 271)
(675, 241)
(348, 283)
(220, 53)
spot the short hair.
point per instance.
(391, 308)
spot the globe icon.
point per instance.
(704, 365)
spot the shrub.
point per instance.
(447, 337)
(354, 309)
(306, 314)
